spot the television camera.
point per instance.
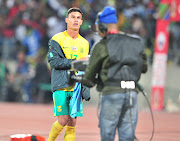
(76, 74)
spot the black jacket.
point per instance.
(59, 67)
(107, 67)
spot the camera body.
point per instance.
(78, 66)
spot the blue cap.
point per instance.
(108, 15)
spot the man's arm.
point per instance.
(97, 55)
(56, 57)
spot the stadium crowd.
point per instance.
(27, 25)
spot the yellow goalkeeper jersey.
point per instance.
(72, 48)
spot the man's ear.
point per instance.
(66, 20)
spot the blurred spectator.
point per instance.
(25, 73)
(55, 25)
(174, 49)
(121, 18)
(41, 88)
(150, 25)
(137, 24)
(22, 79)
(32, 42)
(4, 77)
(58, 6)
(11, 92)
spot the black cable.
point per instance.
(145, 95)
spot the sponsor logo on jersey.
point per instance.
(65, 47)
(74, 48)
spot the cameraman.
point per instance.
(116, 57)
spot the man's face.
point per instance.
(74, 20)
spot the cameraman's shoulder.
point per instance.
(99, 44)
(130, 35)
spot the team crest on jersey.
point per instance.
(81, 50)
(74, 48)
(59, 108)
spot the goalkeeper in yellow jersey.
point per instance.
(63, 48)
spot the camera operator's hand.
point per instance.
(71, 76)
(86, 93)
(84, 58)
(79, 65)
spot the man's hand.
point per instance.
(86, 93)
(70, 76)
(84, 58)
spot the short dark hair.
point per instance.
(74, 9)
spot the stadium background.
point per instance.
(27, 25)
